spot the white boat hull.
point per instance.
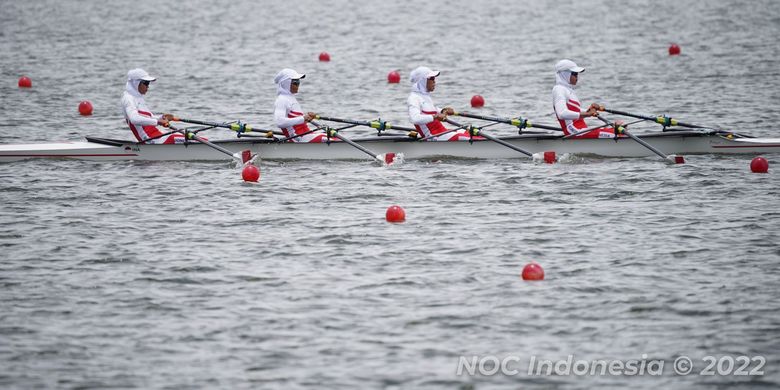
(681, 143)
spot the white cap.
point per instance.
(423, 72)
(139, 74)
(568, 65)
(287, 73)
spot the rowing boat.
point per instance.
(677, 142)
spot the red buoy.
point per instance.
(324, 56)
(759, 165)
(250, 173)
(477, 101)
(25, 82)
(394, 77)
(533, 271)
(674, 50)
(85, 108)
(395, 214)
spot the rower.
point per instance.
(567, 104)
(139, 117)
(425, 116)
(288, 113)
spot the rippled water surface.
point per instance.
(179, 275)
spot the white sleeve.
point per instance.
(280, 115)
(415, 113)
(561, 110)
(132, 115)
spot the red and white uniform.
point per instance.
(567, 108)
(422, 109)
(288, 113)
(140, 119)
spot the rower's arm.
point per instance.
(562, 111)
(280, 116)
(134, 117)
(415, 114)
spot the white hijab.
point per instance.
(132, 87)
(563, 70)
(284, 78)
(134, 77)
(563, 78)
(419, 79)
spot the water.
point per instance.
(179, 275)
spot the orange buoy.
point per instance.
(674, 49)
(85, 108)
(759, 165)
(533, 271)
(250, 173)
(477, 101)
(393, 77)
(324, 56)
(395, 214)
(25, 82)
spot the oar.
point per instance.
(237, 127)
(167, 133)
(520, 122)
(242, 157)
(378, 124)
(316, 128)
(385, 159)
(475, 131)
(583, 131)
(620, 129)
(662, 120)
(588, 130)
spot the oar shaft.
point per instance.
(209, 143)
(372, 124)
(356, 145)
(584, 131)
(167, 133)
(239, 127)
(663, 120)
(189, 135)
(502, 142)
(645, 144)
(518, 122)
(621, 129)
(477, 132)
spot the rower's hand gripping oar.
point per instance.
(475, 132)
(378, 124)
(242, 158)
(384, 159)
(620, 129)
